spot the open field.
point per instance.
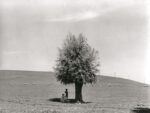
(30, 92)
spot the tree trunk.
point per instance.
(78, 91)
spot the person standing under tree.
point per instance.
(66, 93)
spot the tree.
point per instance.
(77, 63)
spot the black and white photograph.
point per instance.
(74, 56)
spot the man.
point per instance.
(66, 93)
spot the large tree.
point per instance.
(77, 63)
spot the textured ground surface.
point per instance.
(30, 92)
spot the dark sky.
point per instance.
(32, 30)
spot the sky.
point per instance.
(31, 31)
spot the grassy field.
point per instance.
(31, 92)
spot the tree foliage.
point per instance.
(77, 60)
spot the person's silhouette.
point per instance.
(66, 92)
(63, 98)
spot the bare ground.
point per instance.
(33, 92)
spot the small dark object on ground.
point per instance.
(141, 110)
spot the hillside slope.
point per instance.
(22, 89)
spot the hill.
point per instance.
(24, 91)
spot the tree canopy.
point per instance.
(77, 60)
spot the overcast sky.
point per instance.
(32, 30)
